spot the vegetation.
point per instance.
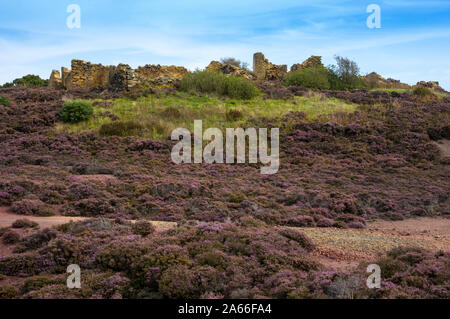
(344, 75)
(235, 62)
(211, 82)
(312, 78)
(422, 91)
(157, 116)
(76, 111)
(29, 80)
(4, 101)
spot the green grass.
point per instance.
(160, 115)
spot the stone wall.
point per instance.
(230, 69)
(265, 70)
(312, 61)
(85, 75)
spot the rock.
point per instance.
(229, 69)
(375, 80)
(265, 70)
(433, 85)
(55, 80)
(312, 61)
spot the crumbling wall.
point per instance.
(84, 75)
(88, 75)
(265, 70)
(229, 69)
(312, 61)
(55, 80)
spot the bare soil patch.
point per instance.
(346, 248)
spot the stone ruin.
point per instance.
(230, 69)
(433, 85)
(264, 70)
(84, 75)
(377, 81)
(312, 61)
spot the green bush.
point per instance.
(29, 80)
(76, 111)
(311, 78)
(422, 91)
(119, 128)
(4, 101)
(218, 83)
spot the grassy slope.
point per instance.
(161, 114)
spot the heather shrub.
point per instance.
(4, 101)
(35, 283)
(32, 207)
(35, 241)
(298, 237)
(76, 111)
(300, 221)
(90, 207)
(10, 237)
(311, 78)
(8, 292)
(21, 265)
(143, 228)
(218, 83)
(119, 256)
(119, 128)
(422, 91)
(24, 223)
(178, 282)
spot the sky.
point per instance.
(412, 44)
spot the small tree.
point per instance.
(346, 72)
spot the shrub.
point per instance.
(8, 292)
(422, 91)
(171, 112)
(218, 83)
(298, 237)
(76, 111)
(143, 228)
(312, 78)
(233, 115)
(4, 101)
(32, 207)
(120, 128)
(36, 240)
(24, 223)
(10, 237)
(235, 62)
(29, 80)
(344, 75)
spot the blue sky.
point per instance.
(412, 44)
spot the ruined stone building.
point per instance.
(122, 77)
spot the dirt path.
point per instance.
(444, 146)
(346, 248)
